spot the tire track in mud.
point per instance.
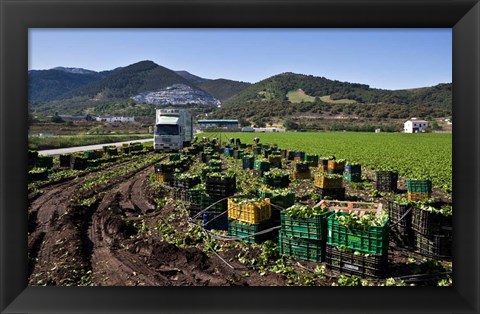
(54, 239)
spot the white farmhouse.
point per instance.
(415, 125)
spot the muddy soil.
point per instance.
(120, 240)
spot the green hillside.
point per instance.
(223, 89)
(273, 98)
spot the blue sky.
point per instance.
(381, 58)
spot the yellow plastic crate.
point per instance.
(163, 177)
(125, 145)
(324, 182)
(416, 196)
(322, 168)
(301, 175)
(254, 212)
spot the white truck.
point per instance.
(173, 129)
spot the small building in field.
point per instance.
(415, 125)
(115, 119)
(219, 123)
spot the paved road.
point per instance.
(69, 150)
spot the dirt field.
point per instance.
(132, 233)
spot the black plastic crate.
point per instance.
(220, 189)
(428, 223)
(386, 181)
(349, 262)
(65, 160)
(334, 194)
(434, 245)
(44, 162)
(402, 223)
(302, 167)
(186, 183)
(78, 163)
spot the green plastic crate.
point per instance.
(284, 201)
(239, 229)
(373, 240)
(261, 165)
(309, 250)
(352, 177)
(419, 186)
(314, 228)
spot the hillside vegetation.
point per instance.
(273, 98)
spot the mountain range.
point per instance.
(137, 88)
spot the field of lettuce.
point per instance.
(412, 155)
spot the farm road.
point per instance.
(69, 150)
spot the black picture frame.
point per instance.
(19, 15)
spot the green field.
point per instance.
(53, 142)
(297, 96)
(413, 155)
(338, 101)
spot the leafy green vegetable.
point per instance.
(303, 211)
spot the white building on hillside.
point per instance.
(415, 125)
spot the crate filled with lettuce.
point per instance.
(219, 184)
(301, 221)
(276, 178)
(249, 210)
(359, 226)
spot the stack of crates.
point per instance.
(419, 189)
(386, 181)
(329, 185)
(302, 171)
(400, 213)
(164, 172)
(246, 218)
(432, 233)
(260, 166)
(312, 160)
(194, 198)
(353, 173)
(280, 199)
(303, 238)
(336, 166)
(358, 250)
(217, 188)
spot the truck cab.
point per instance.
(173, 129)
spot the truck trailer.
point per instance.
(173, 129)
